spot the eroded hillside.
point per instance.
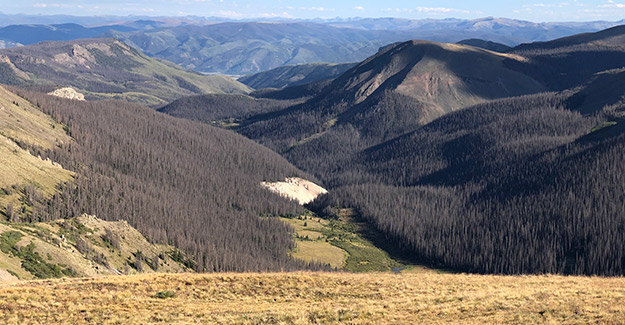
(82, 246)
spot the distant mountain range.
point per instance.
(31, 34)
(211, 45)
(245, 48)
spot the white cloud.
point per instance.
(315, 9)
(548, 5)
(53, 5)
(237, 15)
(612, 4)
(227, 14)
(359, 8)
(432, 9)
(442, 10)
(275, 15)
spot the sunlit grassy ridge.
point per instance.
(82, 246)
(109, 69)
(371, 298)
(21, 122)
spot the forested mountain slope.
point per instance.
(523, 184)
(107, 68)
(223, 109)
(179, 182)
(402, 87)
(515, 186)
(83, 246)
(529, 184)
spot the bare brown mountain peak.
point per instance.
(443, 76)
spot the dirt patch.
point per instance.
(67, 92)
(297, 189)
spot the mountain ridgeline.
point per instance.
(403, 86)
(251, 47)
(295, 75)
(107, 69)
(31, 34)
(471, 159)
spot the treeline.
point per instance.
(177, 181)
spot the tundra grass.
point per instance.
(323, 298)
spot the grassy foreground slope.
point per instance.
(326, 298)
(21, 123)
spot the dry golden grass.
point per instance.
(310, 234)
(371, 298)
(22, 121)
(311, 244)
(319, 251)
(311, 223)
(19, 167)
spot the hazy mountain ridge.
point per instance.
(572, 61)
(487, 45)
(245, 48)
(31, 34)
(254, 46)
(217, 55)
(295, 75)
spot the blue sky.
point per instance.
(537, 11)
